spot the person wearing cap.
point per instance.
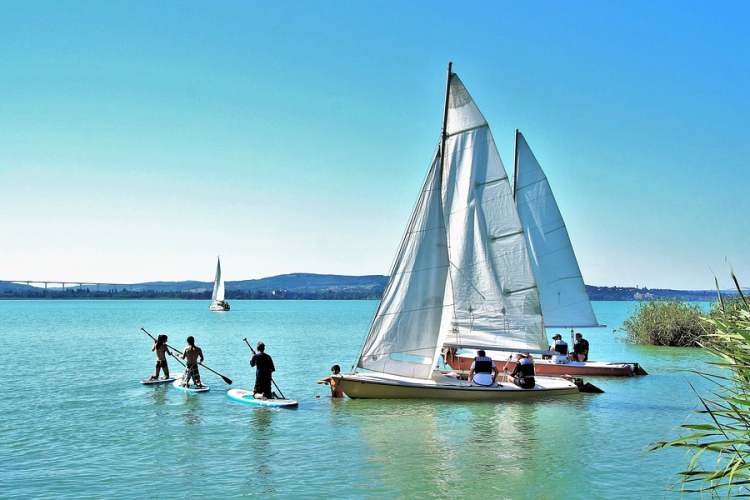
(559, 345)
(483, 370)
(580, 348)
(263, 373)
(523, 374)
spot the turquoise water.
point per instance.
(77, 423)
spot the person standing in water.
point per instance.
(191, 354)
(336, 391)
(161, 350)
(263, 373)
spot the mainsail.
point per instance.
(462, 274)
(565, 302)
(495, 299)
(218, 293)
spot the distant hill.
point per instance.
(302, 286)
(295, 282)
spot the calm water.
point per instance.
(77, 424)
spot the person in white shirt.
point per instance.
(483, 370)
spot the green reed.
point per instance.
(665, 322)
(719, 445)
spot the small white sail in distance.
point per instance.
(218, 293)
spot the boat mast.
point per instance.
(444, 134)
(515, 165)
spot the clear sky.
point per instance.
(141, 139)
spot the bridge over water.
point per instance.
(80, 285)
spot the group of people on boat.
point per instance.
(484, 372)
(580, 347)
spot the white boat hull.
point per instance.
(219, 306)
(554, 369)
(385, 386)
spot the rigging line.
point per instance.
(443, 140)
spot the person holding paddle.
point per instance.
(264, 369)
(190, 354)
(161, 350)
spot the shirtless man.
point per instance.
(191, 353)
(336, 391)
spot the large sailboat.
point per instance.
(562, 293)
(461, 277)
(218, 303)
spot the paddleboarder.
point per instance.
(161, 350)
(191, 354)
(263, 373)
(336, 391)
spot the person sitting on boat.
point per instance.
(523, 373)
(191, 353)
(483, 370)
(336, 391)
(580, 348)
(559, 345)
(263, 373)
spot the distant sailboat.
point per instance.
(217, 297)
(461, 276)
(562, 293)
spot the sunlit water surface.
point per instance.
(76, 422)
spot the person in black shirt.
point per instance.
(580, 349)
(263, 373)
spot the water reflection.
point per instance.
(192, 412)
(262, 451)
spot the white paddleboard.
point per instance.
(158, 381)
(191, 389)
(243, 396)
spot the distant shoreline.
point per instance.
(296, 286)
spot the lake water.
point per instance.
(76, 422)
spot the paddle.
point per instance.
(272, 380)
(170, 352)
(226, 379)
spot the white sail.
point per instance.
(218, 293)
(565, 302)
(404, 336)
(495, 299)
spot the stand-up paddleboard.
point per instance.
(243, 396)
(158, 381)
(190, 389)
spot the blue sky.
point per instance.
(138, 140)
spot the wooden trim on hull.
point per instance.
(373, 389)
(593, 369)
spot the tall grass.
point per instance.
(719, 445)
(665, 322)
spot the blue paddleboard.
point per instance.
(158, 381)
(191, 389)
(243, 396)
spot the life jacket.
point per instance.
(482, 364)
(526, 368)
(561, 347)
